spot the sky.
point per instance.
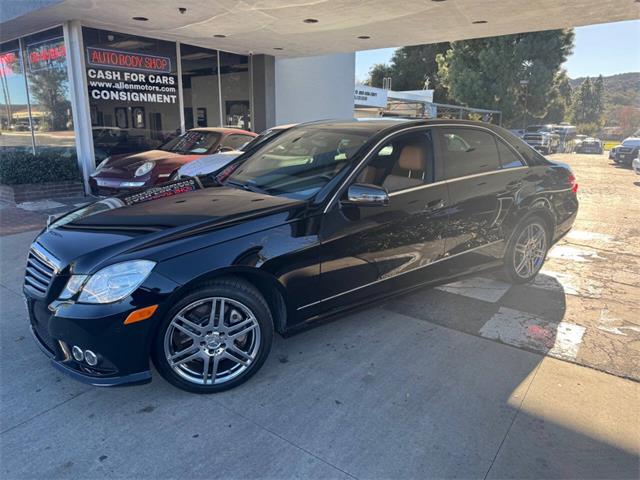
(605, 49)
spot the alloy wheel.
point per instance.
(530, 250)
(212, 341)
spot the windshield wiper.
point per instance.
(247, 186)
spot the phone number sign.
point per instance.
(101, 57)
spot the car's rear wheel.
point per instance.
(526, 250)
(215, 338)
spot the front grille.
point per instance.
(624, 150)
(41, 269)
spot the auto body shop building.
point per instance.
(118, 76)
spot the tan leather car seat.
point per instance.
(412, 159)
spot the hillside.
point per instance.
(620, 90)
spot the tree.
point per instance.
(560, 99)
(377, 73)
(487, 72)
(588, 102)
(628, 119)
(413, 68)
(49, 89)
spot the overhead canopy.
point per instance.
(286, 28)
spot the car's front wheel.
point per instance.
(216, 337)
(526, 250)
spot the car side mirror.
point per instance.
(366, 195)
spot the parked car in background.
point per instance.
(579, 139)
(216, 162)
(542, 138)
(629, 150)
(590, 145)
(145, 169)
(199, 273)
(612, 152)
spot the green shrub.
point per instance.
(17, 168)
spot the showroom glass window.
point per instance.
(235, 79)
(15, 124)
(200, 87)
(45, 59)
(133, 92)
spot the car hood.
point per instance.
(127, 164)
(177, 213)
(631, 142)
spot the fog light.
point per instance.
(77, 353)
(91, 358)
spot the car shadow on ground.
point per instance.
(617, 165)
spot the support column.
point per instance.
(263, 107)
(78, 92)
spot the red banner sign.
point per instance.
(9, 63)
(43, 54)
(100, 57)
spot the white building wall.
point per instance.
(314, 88)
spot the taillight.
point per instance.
(573, 183)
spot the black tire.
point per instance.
(509, 267)
(235, 290)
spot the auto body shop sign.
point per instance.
(130, 77)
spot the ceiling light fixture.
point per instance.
(364, 37)
(278, 48)
(477, 22)
(311, 20)
(139, 19)
(220, 36)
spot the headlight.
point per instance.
(73, 286)
(110, 284)
(143, 169)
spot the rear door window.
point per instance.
(467, 151)
(508, 158)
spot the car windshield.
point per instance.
(266, 135)
(192, 142)
(299, 162)
(538, 128)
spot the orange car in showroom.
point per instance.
(130, 171)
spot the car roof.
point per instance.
(223, 130)
(373, 126)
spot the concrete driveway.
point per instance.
(477, 379)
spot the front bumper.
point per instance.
(69, 366)
(123, 350)
(112, 186)
(626, 157)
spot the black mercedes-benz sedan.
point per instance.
(198, 274)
